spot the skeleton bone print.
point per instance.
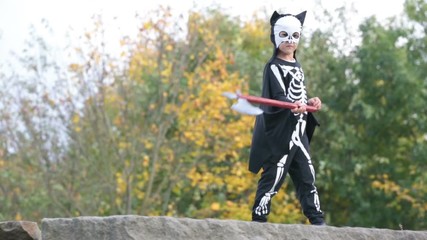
(296, 92)
(281, 138)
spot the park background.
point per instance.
(99, 126)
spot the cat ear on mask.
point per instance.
(301, 17)
(274, 18)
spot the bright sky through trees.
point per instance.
(16, 16)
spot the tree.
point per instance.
(369, 135)
(147, 131)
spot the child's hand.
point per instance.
(300, 109)
(315, 102)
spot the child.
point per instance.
(280, 142)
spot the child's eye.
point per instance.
(283, 34)
(295, 35)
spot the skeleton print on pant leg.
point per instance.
(296, 92)
(262, 208)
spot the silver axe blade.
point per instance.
(242, 105)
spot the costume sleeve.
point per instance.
(278, 84)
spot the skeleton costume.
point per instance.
(280, 142)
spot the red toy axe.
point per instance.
(244, 105)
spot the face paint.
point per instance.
(287, 29)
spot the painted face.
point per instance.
(287, 29)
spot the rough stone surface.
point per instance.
(19, 230)
(164, 228)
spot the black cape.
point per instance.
(273, 129)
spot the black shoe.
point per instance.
(257, 218)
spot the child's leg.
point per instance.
(303, 176)
(271, 180)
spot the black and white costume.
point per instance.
(280, 142)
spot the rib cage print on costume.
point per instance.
(296, 92)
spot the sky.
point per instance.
(16, 16)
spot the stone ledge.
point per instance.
(142, 227)
(19, 230)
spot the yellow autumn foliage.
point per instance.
(150, 133)
(195, 148)
(399, 194)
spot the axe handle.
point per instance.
(275, 103)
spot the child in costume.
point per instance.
(281, 137)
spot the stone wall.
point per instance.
(129, 227)
(140, 227)
(19, 230)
